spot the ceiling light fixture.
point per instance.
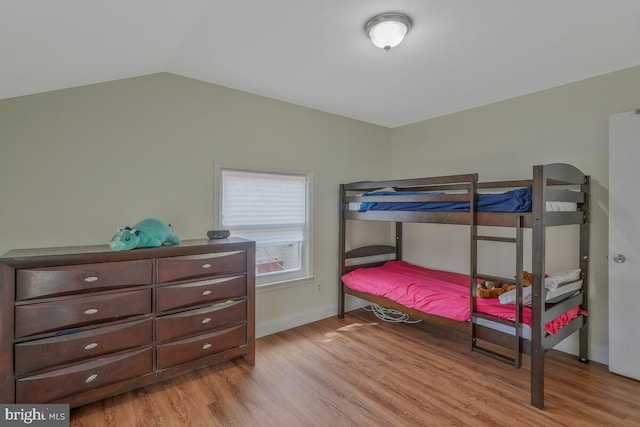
(388, 29)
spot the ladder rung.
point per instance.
(495, 279)
(497, 239)
(495, 355)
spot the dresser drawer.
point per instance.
(71, 312)
(202, 292)
(198, 321)
(55, 281)
(49, 352)
(182, 351)
(195, 266)
(96, 373)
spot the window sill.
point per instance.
(276, 286)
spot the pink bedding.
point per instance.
(435, 292)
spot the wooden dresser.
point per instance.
(81, 323)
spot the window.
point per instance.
(272, 209)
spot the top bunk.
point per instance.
(557, 194)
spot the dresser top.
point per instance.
(25, 258)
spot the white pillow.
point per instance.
(557, 279)
(380, 190)
(553, 295)
(509, 297)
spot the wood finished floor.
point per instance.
(359, 371)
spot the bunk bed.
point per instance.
(556, 195)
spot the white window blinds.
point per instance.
(269, 208)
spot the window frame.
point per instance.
(288, 278)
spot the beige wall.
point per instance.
(76, 164)
(504, 140)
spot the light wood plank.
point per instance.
(360, 371)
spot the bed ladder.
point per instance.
(514, 342)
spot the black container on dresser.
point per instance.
(82, 323)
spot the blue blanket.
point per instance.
(518, 200)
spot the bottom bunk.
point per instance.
(445, 299)
(447, 295)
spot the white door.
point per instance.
(624, 244)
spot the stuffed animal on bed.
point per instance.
(148, 233)
(488, 289)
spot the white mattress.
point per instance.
(551, 206)
(562, 206)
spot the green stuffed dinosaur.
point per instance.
(148, 233)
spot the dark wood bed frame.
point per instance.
(549, 183)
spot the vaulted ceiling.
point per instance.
(460, 53)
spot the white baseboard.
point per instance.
(571, 345)
(287, 322)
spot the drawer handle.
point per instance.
(90, 279)
(206, 293)
(91, 311)
(91, 346)
(206, 320)
(91, 378)
(206, 346)
(206, 265)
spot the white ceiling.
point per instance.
(460, 53)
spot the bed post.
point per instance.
(537, 303)
(398, 240)
(584, 266)
(473, 256)
(341, 250)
